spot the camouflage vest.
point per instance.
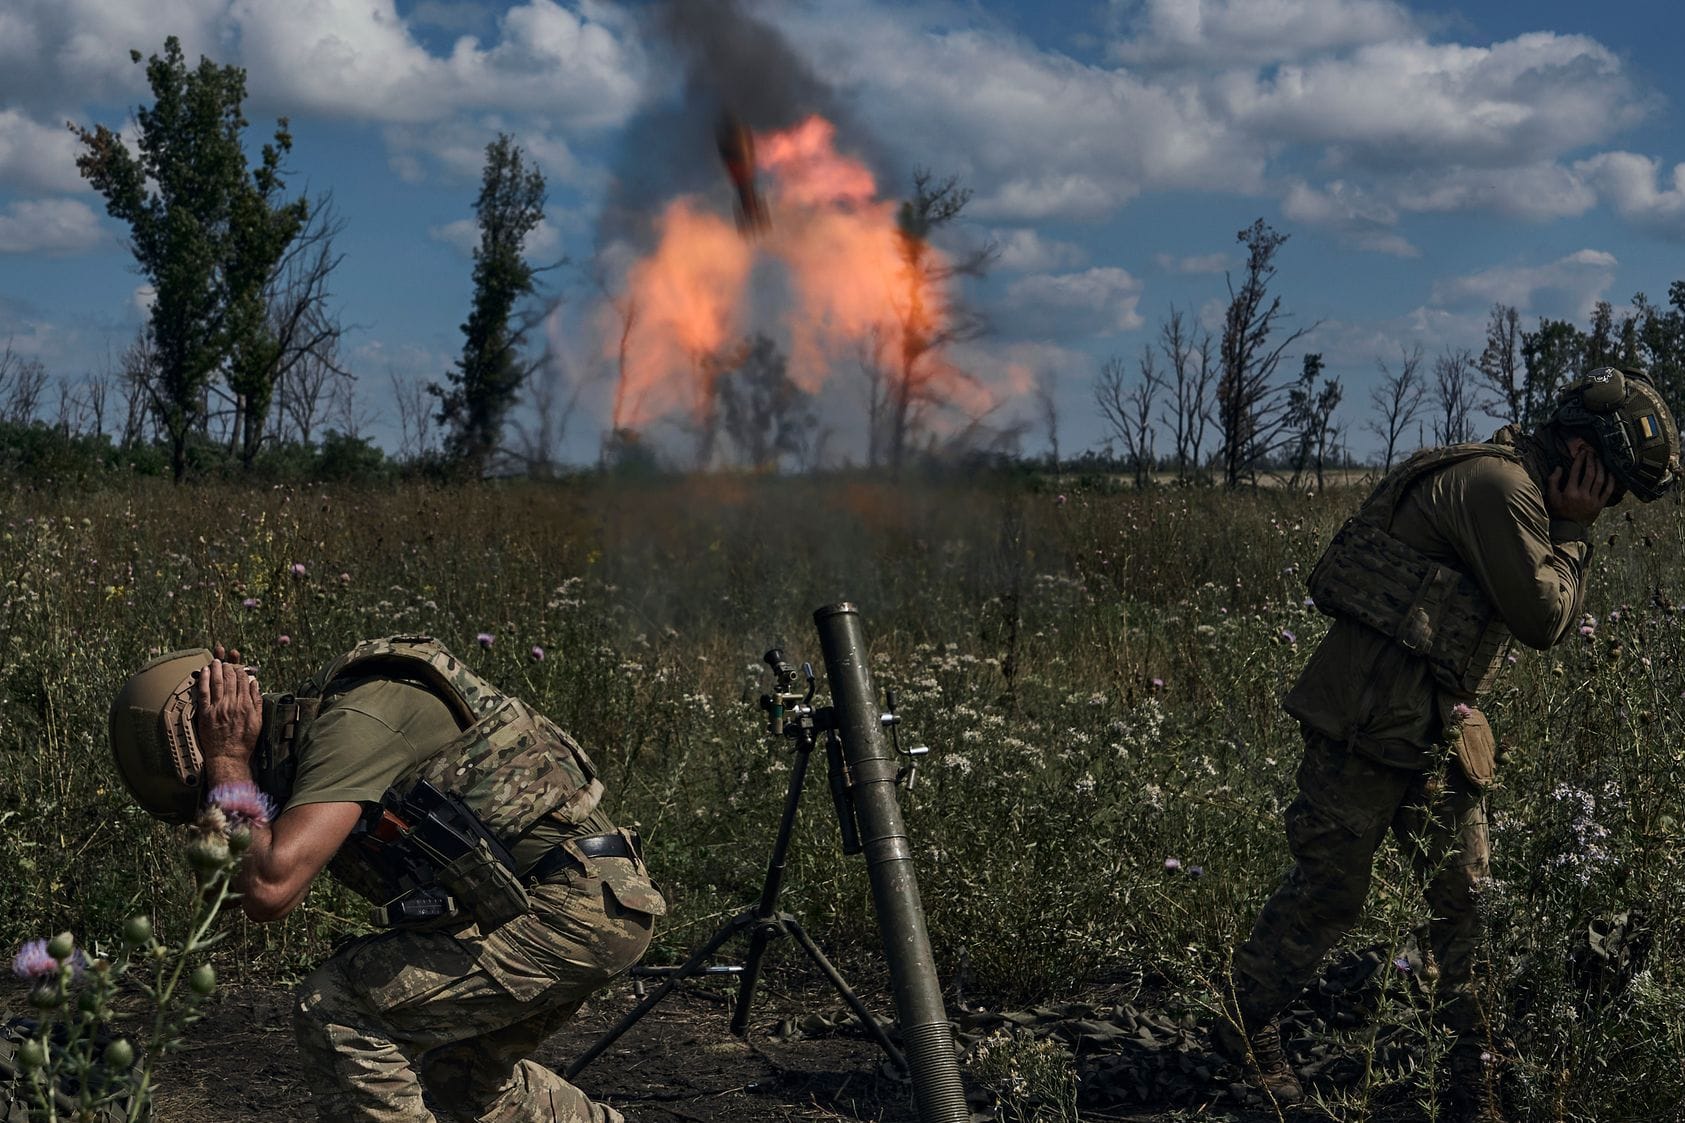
(510, 765)
(1433, 610)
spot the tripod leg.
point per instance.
(824, 964)
(690, 967)
(751, 978)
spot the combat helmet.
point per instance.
(1623, 414)
(152, 735)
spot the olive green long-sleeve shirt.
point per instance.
(1485, 516)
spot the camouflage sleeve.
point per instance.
(1531, 565)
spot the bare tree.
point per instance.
(21, 383)
(1311, 418)
(1048, 402)
(923, 328)
(766, 415)
(1189, 382)
(1500, 364)
(1397, 400)
(1453, 397)
(306, 391)
(1128, 409)
(1251, 410)
(553, 398)
(139, 373)
(415, 415)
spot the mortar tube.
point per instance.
(926, 1038)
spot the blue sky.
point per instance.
(1427, 159)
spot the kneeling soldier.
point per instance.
(1457, 551)
(470, 822)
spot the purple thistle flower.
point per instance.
(1196, 871)
(243, 801)
(1402, 963)
(249, 602)
(485, 639)
(536, 654)
(33, 962)
(283, 640)
(1288, 637)
(1171, 865)
(298, 569)
(1157, 683)
(1461, 712)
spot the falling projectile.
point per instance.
(737, 152)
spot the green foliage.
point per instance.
(490, 372)
(1098, 679)
(80, 1063)
(205, 233)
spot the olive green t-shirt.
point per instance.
(372, 733)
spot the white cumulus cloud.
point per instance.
(1024, 250)
(1567, 287)
(1209, 33)
(1097, 301)
(57, 227)
(36, 156)
(1635, 186)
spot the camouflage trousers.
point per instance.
(1346, 805)
(459, 1012)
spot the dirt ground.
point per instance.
(680, 1063)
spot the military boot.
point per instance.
(1471, 1092)
(1256, 1049)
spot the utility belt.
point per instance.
(446, 867)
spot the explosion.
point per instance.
(828, 266)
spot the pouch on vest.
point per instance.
(1477, 749)
(468, 862)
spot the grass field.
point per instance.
(1097, 675)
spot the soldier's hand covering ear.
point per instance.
(227, 711)
(1582, 490)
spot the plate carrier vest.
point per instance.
(1432, 610)
(510, 766)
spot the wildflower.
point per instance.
(33, 962)
(1402, 962)
(283, 640)
(1461, 712)
(1157, 683)
(1171, 865)
(1196, 871)
(243, 801)
(298, 569)
(1587, 629)
(1060, 500)
(536, 654)
(485, 639)
(1288, 637)
(249, 602)
(345, 579)
(1085, 785)
(1511, 659)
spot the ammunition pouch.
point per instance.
(1432, 610)
(275, 763)
(1477, 749)
(438, 856)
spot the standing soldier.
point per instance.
(1455, 552)
(468, 819)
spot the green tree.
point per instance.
(1554, 355)
(206, 230)
(490, 372)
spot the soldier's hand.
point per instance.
(227, 710)
(1582, 490)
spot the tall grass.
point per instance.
(1097, 677)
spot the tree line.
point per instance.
(1190, 385)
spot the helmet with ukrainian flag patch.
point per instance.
(1621, 412)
